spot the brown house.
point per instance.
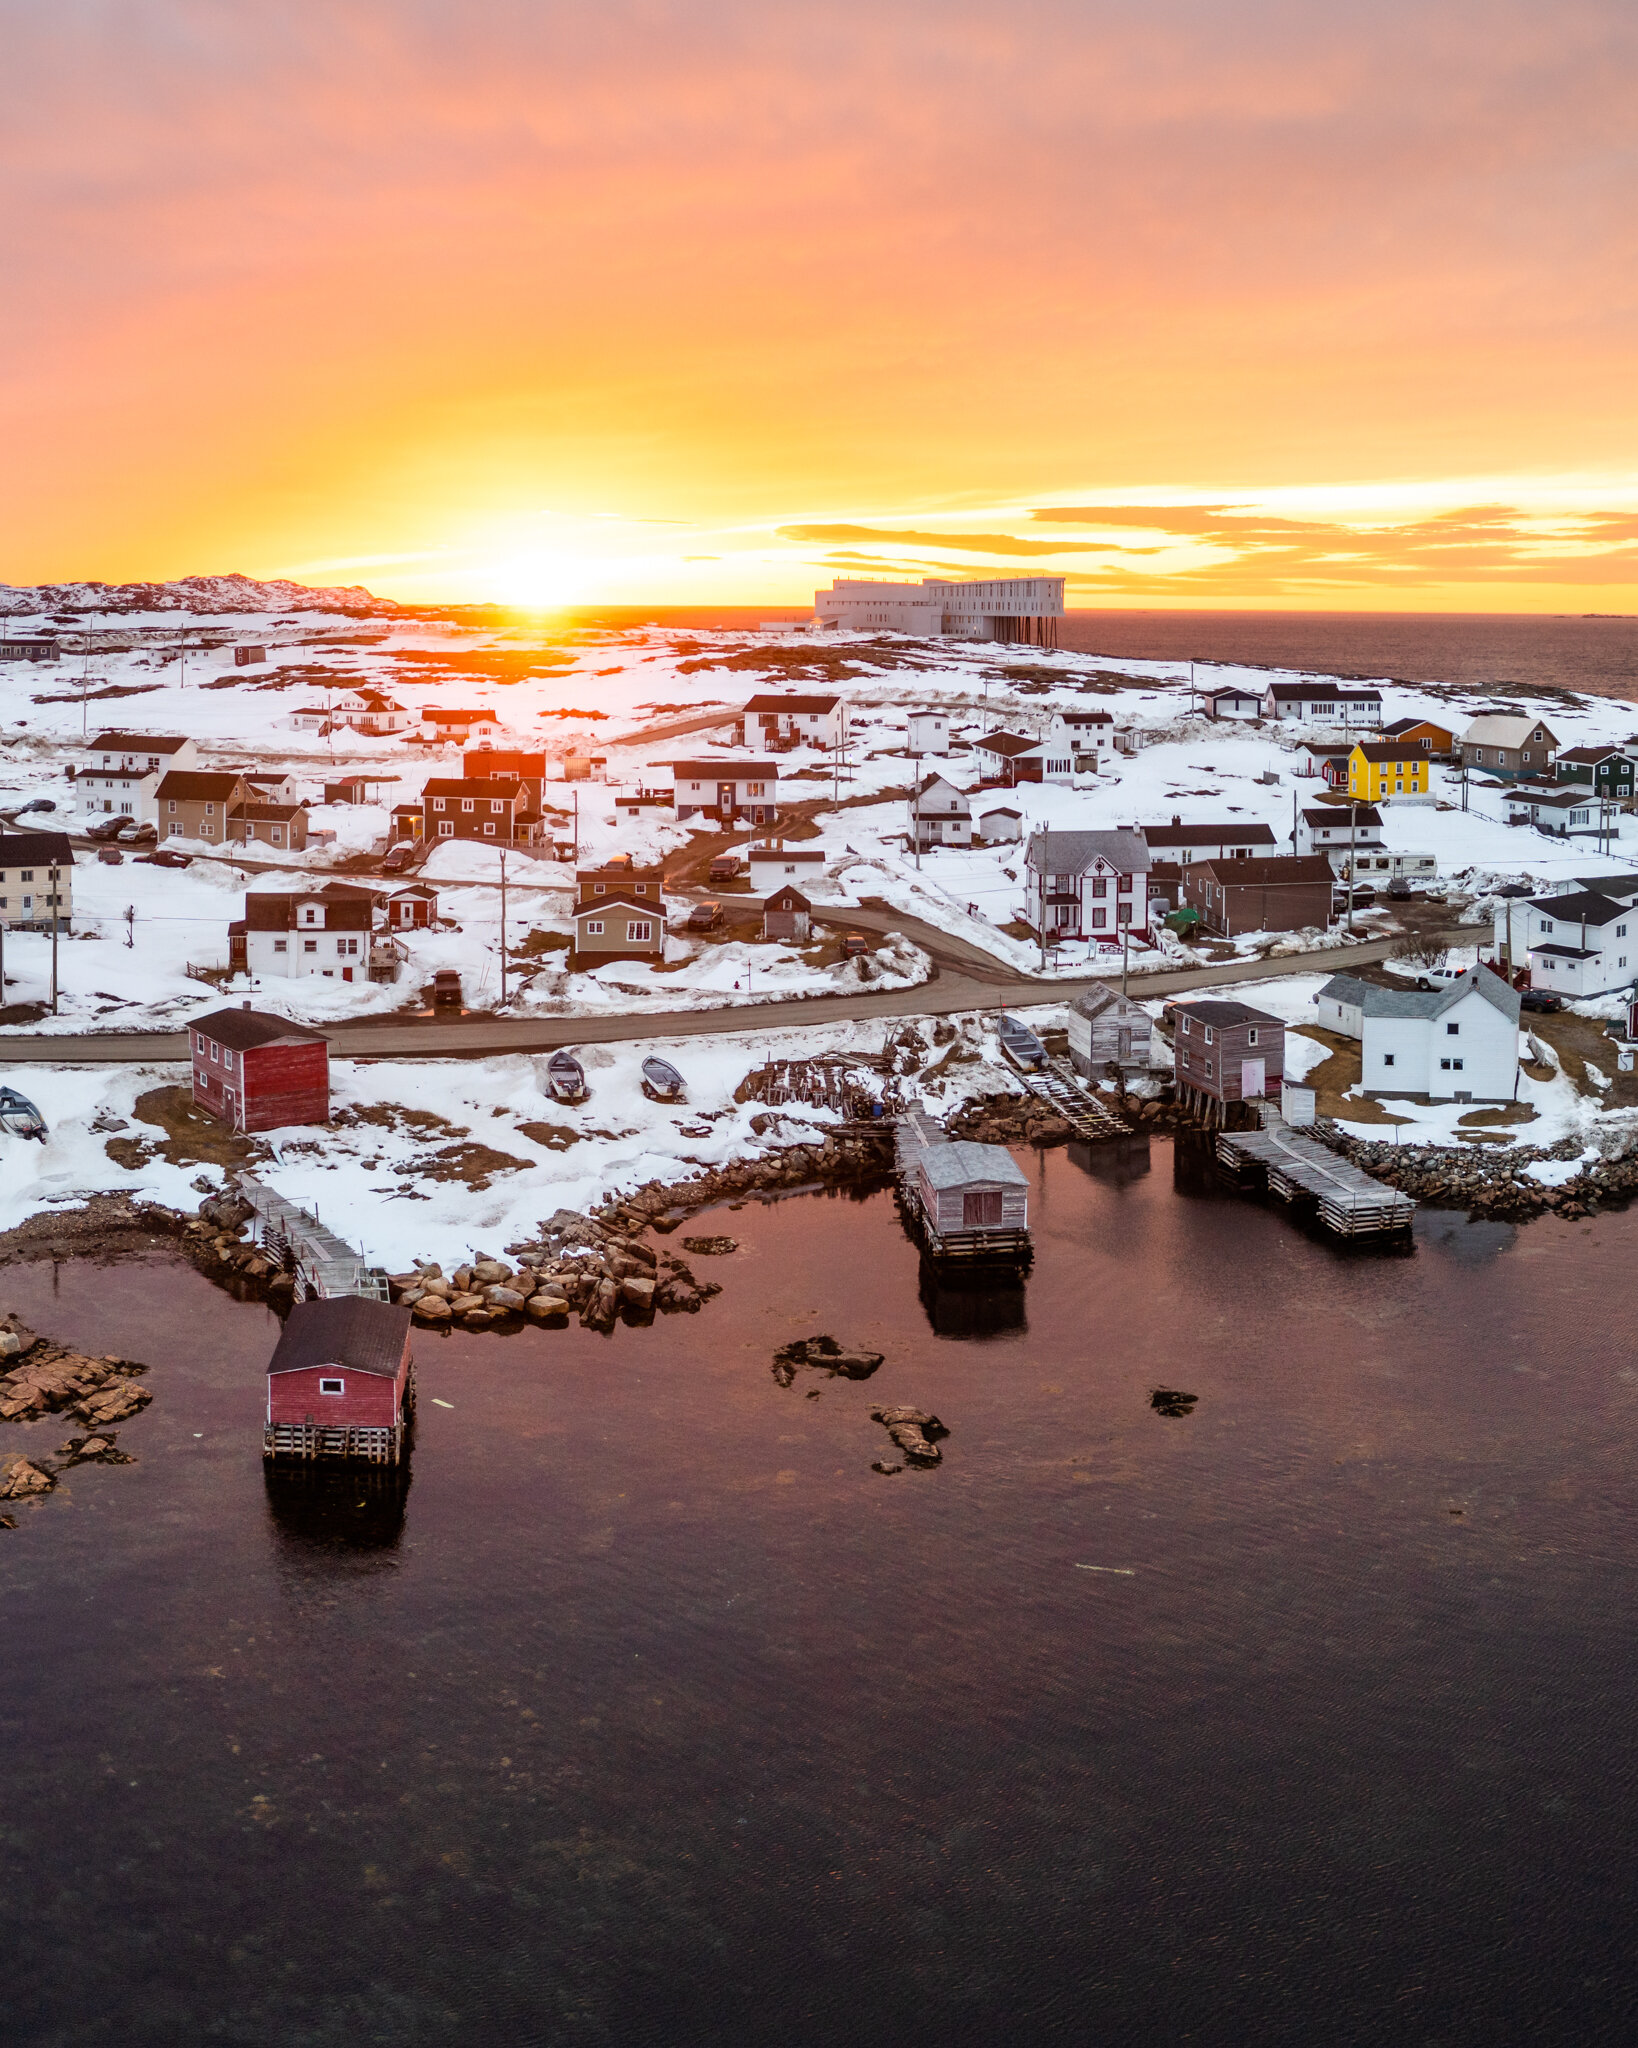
(507, 764)
(472, 808)
(281, 825)
(195, 803)
(618, 927)
(1226, 1052)
(1279, 895)
(620, 877)
(787, 914)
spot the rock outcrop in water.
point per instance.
(913, 1430)
(42, 1378)
(823, 1354)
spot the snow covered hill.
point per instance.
(196, 594)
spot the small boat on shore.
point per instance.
(662, 1082)
(566, 1078)
(18, 1116)
(1020, 1046)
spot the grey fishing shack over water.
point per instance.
(966, 1201)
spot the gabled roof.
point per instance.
(1617, 885)
(1590, 755)
(1233, 690)
(1096, 1001)
(724, 771)
(1223, 1014)
(136, 743)
(244, 1029)
(440, 714)
(1278, 870)
(270, 813)
(1091, 717)
(936, 781)
(509, 760)
(1386, 750)
(787, 898)
(1308, 693)
(1338, 814)
(772, 701)
(1506, 729)
(1428, 1003)
(199, 785)
(1072, 853)
(806, 855)
(651, 908)
(1569, 909)
(1401, 726)
(1549, 797)
(1230, 833)
(348, 1330)
(471, 785)
(18, 848)
(961, 1162)
(1008, 744)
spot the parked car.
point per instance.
(110, 856)
(131, 833)
(854, 944)
(105, 828)
(1439, 977)
(726, 867)
(1541, 1000)
(166, 859)
(704, 917)
(446, 989)
(1400, 890)
(40, 803)
(398, 858)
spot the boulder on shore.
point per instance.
(20, 1479)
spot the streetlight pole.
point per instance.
(55, 874)
(503, 930)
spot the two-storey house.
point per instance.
(775, 721)
(121, 773)
(197, 803)
(36, 881)
(1603, 772)
(1078, 743)
(1455, 1043)
(940, 815)
(468, 807)
(1087, 885)
(1508, 745)
(726, 791)
(1339, 831)
(1224, 1052)
(287, 933)
(1227, 839)
(1380, 770)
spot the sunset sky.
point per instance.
(1250, 302)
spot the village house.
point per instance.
(776, 721)
(364, 711)
(324, 931)
(1339, 831)
(772, 864)
(726, 790)
(1508, 745)
(1225, 1052)
(248, 654)
(29, 647)
(341, 1382)
(1604, 772)
(264, 824)
(1423, 734)
(1324, 704)
(508, 764)
(1582, 944)
(270, 785)
(196, 803)
(787, 914)
(1520, 923)
(1232, 839)
(1109, 1031)
(412, 908)
(618, 926)
(1455, 1043)
(36, 881)
(467, 808)
(1087, 885)
(973, 1199)
(1379, 770)
(1287, 893)
(1555, 807)
(928, 733)
(256, 1072)
(940, 815)
(1010, 758)
(449, 726)
(621, 877)
(1231, 702)
(1078, 743)
(122, 771)
(1000, 825)
(408, 824)
(1329, 763)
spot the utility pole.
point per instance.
(54, 873)
(577, 824)
(1353, 859)
(503, 929)
(915, 807)
(1125, 952)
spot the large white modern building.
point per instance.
(1021, 608)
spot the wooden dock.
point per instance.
(295, 1239)
(1067, 1095)
(1345, 1200)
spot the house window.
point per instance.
(446, 828)
(1208, 1070)
(281, 945)
(1208, 1034)
(1451, 1030)
(488, 831)
(468, 803)
(1387, 1059)
(594, 927)
(332, 1386)
(1099, 919)
(227, 1059)
(497, 804)
(437, 803)
(309, 945)
(1251, 1035)
(639, 931)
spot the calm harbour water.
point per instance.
(651, 1714)
(1478, 650)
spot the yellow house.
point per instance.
(1379, 769)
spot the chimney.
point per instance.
(246, 1004)
(1177, 817)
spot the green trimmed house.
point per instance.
(1606, 771)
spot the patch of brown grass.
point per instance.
(192, 1138)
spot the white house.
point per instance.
(773, 865)
(1000, 825)
(1551, 807)
(1581, 944)
(325, 932)
(929, 733)
(940, 815)
(122, 772)
(1457, 1043)
(778, 719)
(1230, 839)
(1231, 702)
(1078, 743)
(366, 711)
(726, 790)
(1324, 704)
(1556, 918)
(1339, 831)
(457, 727)
(1087, 885)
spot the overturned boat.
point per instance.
(566, 1078)
(18, 1116)
(662, 1082)
(1020, 1046)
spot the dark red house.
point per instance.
(341, 1382)
(258, 1073)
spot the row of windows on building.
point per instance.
(347, 949)
(638, 931)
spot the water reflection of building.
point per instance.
(972, 1304)
(1117, 1164)
(337, 1508)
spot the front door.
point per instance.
(1251, 1079)
(725, 799)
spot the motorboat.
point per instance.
(566, 1078)
(1020, 1046)
(662, 1082)
(18, 1116)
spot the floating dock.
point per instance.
(1345, 1200)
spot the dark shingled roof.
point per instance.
(1224, 1013)
(200, 785)
(25, 849)
(347, 1330)
(245, 1029)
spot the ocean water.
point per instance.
(1477, 650)
(647, 1713)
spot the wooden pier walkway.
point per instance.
(324, 1264)
(1067, 1095)
(1346, 1200)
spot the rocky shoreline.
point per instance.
(1494, 1184)
(39, 1378)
